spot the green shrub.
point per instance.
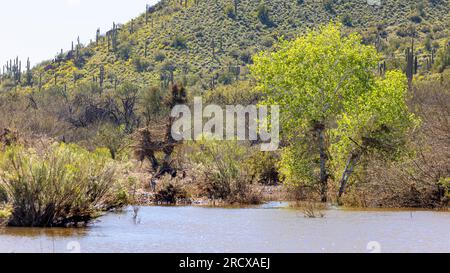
(443, 58)
(59, 186)
(328, 5)
(229, 11)
(445, 183)
(263, 15)
(220, 172)
(179, 42)
(159, 56)
(263, 167)
(141, 65)
(226, 78)
(347, 20)
(125, 51)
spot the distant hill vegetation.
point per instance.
(206, 43)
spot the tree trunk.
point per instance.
(323, 163)
(349, 167)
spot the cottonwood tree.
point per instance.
(313, 78)
(378, 122)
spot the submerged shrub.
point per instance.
(61, 185)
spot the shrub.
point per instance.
(415, 18)
(179, 42)
(170, 191)
(5, 213)
(445, 183)
(312, 209)
(229, 11)
(141, 65)
(263, 167)
(246, 56)
(443, 58)
(62, 185)
(267, 42)
(347, 21)
(125, 51)
(263, 15)
(226, 78)
(220, 172)
(160, 56)
(328, 5)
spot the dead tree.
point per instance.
(158, 138)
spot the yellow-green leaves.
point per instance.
(328, 79)
(314, 75)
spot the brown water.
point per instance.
(269, 228)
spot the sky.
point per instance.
(38, 29)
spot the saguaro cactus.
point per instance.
(29, 75)
(236, 6)
(101, 76)
(411, 63)
(97, 36)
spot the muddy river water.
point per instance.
(269, 228)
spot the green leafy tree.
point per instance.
(313, 78)
(379, 122)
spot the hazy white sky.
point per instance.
(40, 28)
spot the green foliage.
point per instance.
(312, 77)
(220, 171)
(443, 58)
(328, 5)
(141, 65)
(330, 100)
(5, 213)
(179, 42)
(263, 15)
(199, 24)
(237, 93)
(111, 137)
(151, 105)
(125, 50)
(445, 183)
(229, 11)
(379, 121)
(62, 185)
(262, 166)
(347, 20)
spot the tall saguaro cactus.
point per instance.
(114, 37)
(29, 75)
(101, 76)
(411, 63)
(97, 36)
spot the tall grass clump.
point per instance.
(59, 186)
